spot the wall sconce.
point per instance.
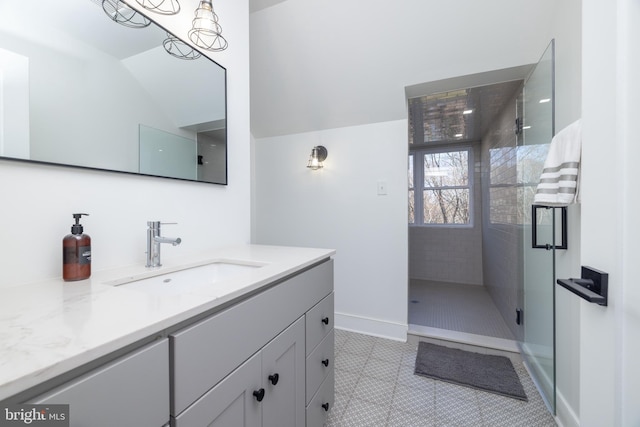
(206, 32)
(318, 155)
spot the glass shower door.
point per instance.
(537, 287)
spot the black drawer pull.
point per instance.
(325, 320)
(274, 379)
(325, 406)
(259, 394)
(325, 362)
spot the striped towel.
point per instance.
(559, 180)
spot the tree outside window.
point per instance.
(444, 185)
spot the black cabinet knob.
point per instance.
(325, 406)
(259, 394)
(325, 320)
(325, 362)
(274, 379)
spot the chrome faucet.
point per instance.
(154, 239)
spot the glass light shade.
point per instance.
(206, 32)
(317, 157)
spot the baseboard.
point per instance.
(565, 416)
(374, 327)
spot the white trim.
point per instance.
(465, 338)
(369, 326)
(565, 415)
(418, 153)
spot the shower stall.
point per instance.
(507, 246)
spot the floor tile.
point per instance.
(360, 345)
(381, 369)
(376, 387)
(455, 411)
(360, 413)
(345, 382)
(373, 390)
(389, 351)
(415, 401)
(406, 419)
(350, 362)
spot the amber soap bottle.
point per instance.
(76, 253)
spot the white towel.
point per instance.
(559, 181)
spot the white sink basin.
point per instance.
(194, 279)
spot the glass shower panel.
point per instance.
(538, 269)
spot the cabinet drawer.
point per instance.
(319, 322)
(319, 407)
(203, 354)
(319, 364)
(130, 391)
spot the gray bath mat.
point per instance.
(485, 372)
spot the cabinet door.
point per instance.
(283, 376)
(130, 391)
(231, 403)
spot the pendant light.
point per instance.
(176, 47)
(118, 11)
(163, 7)
(206, 32)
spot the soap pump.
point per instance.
(76, 252)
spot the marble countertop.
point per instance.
(51, 327)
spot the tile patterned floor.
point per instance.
(456, 307)
(376, 387)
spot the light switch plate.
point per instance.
(382, 188)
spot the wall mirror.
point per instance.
(78, 89)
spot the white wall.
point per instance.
(609, 345)
(37, 201)
(306, 78)
(338, 207)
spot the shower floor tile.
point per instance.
(455, 307)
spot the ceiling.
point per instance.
(256, 5)
(458, 115)
(338, 63)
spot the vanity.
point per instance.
(252, 348)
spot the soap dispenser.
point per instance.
(76, 253)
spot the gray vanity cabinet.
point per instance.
(272, 327)
(130, 391)
(267, 390)
(262, 360)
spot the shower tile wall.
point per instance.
(450, 254)
(501, 234)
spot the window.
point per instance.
(440, 187)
